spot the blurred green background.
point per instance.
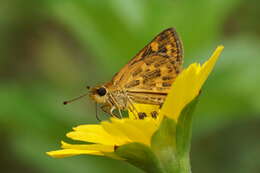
(51, 49)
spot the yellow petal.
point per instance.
(72, 152)
(187, 86)
(93, 147)
(137, 130)
(93, 134)
(115, 131)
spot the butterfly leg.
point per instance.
(106, 109)
(109, 110)
(115, 115)
(97, 117)
(120, 113)
(131, 107)
(114, 105)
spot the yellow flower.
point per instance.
(108, 135)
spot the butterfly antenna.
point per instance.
(72, 100)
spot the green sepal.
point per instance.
(113, 156)
(171, 142)
(184, 128)
(140, 156)
(163, 144)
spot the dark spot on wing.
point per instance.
(142, 115)
(160, 88)
(154, 114)
(148, 61)
(163, 36)
(161, 62)
(152, 74)
(166, 78)
(170, 68)
(166, 84)
(173, 62)
(137, 71)
(163, 50)
(165, 55)
(147, 52)
(132, 84)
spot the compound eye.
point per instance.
(101, 91)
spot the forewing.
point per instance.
(155, 67)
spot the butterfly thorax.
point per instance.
(117, 96)
(110, 96)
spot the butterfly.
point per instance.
(145, 79)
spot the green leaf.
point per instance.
(140, 156)
(184, 128)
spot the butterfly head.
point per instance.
(99, 94)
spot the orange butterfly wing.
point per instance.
(155, 67)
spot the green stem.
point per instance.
(178, 165)
(185, 165)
